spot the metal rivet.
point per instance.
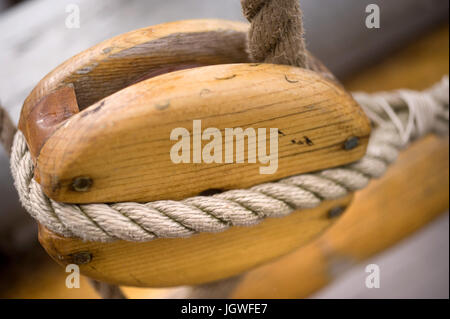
(336, 211)
(81, 184)
(351, 143)
(82, 258)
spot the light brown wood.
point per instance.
(413, 192)
(147, 53)
(188, 261)
(122, 143)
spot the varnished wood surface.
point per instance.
(122, 143)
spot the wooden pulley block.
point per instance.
(178, 110)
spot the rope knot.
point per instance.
(276, 31)
(411, 113)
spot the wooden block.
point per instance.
(188, 261)
(122, 144)
(111, 142)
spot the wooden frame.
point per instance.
(288, 98)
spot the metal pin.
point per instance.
(82, 258)
(336, 211)
(81, 184)
(351, 143)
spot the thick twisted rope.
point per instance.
(276, 31)
(398, 117)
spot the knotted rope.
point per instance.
(276, 31)
(399, 117)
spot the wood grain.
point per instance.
(188, 261)
(122, 143)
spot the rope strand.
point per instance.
(276, 31)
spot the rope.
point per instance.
(276, 31)
(399, 117)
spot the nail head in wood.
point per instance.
(351, 143)
(82, 258)
(336, 211)
(81, 184)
